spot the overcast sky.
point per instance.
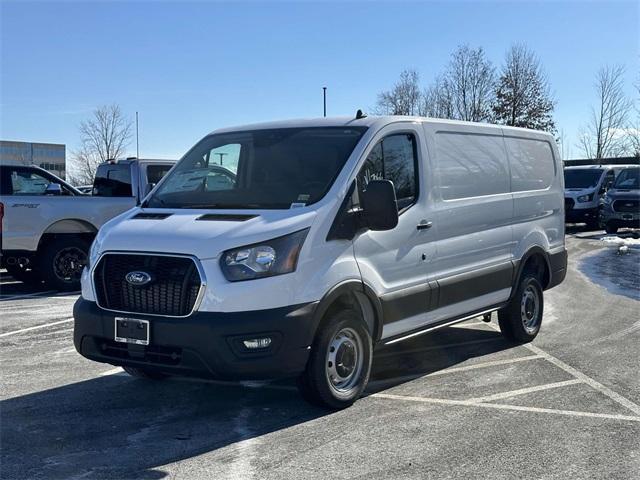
(189, 68)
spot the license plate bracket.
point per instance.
(131, 330)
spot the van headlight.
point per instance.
(607, 200)
(585, 198)
(94, 251)
(264, 259)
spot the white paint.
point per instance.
(113, 371)
(466, 403)
(586, 379)
(397, 380)
(26, 295)
(524, 391)
(37, 327)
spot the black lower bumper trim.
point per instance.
(205, 344)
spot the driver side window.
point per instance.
(394, 158)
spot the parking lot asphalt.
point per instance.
(458, 403)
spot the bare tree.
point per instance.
(104, 136)
(404, 98)
(605, 134)
(437, 100)
(470, 78)
(522, 94)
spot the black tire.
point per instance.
(22, 274)
(520, 320)
(342, 347)
(144, 373)
(62, 261)
(611, 228)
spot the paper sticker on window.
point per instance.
(298, 205)
(304, 197)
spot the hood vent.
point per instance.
(151, 216)
(226, 217)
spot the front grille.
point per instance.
(568, 203)
(630, 206)
(172, 291)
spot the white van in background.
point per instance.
(333, 235)
(584, 188)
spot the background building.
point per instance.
(50, 156)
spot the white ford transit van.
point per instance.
(293, 248)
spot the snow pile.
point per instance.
(615, 241)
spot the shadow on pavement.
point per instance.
(119, 427)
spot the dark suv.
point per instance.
(621, 205)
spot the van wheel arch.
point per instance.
(352, 295)
(536, 261)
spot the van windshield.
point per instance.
(628, 179)
(585, 178)
(270, 169)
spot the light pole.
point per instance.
(137, 143)
(324, 100)
(221, 155)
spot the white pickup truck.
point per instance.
(47, 225)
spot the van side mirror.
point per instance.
(380, 206)
(53, 189)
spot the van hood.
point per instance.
(577, 192)
(203, 233)
(623, 194)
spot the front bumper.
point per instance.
(619, 219)
(205, 344)
(581, 215)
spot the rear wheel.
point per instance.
(144, 373)
(520, 320)
(62, 262)
(23, 274)
(340, 362)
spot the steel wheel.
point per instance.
(344, 361)
(530, 308)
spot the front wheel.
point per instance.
(520, 320)
(340, 362)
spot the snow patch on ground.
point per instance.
(615, 241)
(618, 273)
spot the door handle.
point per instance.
(424, 225)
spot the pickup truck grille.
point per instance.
(630, 206)
(172, 291)
(568, 203)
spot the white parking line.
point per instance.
(579, 375)
(15, 332)
(113, 371)
(407, 378)
(466, 403)
(524, 391)
(586, 379)
(26, 295)
(484, 364)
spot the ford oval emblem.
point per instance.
(137, 278)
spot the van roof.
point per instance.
(368, 121)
